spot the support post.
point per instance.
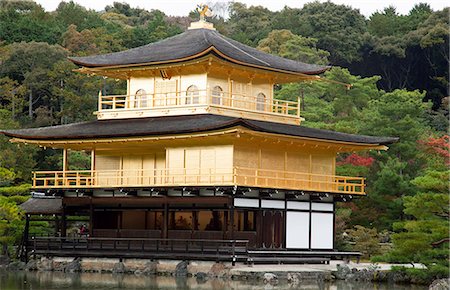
(26, 232)
(92, 166)
(64, 166)
(99, 100)
(166, 221)
(232, 219)
(63, 222)
(91, 217)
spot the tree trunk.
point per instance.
(30, 104)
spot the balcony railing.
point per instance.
(240, 176)
(162, 102)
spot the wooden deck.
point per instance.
(178, 249)
(237, 176)
(153, 248)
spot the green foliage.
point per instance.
(399, 113)
(18, 190)
(249, 25)
(338, 28)
(422, 276)
(286, 44)
(366, 240)
(27, 21)
(11, 222)
(6, 176)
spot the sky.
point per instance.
(182, 8)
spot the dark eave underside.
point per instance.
(160, 126)
(194, 43)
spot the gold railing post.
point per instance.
(99, 100)
(298, 106)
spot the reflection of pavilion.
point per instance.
(197, 155)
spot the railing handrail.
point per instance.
(178, 94)
(297, 172)
(187, 99)
(236, 175)
(176, 172)
(137, 239)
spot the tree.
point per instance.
(401, 114)
(338, 28)
(286, 44)
(249, 25)
(17, 159)
(79, 43)
(27, 63)
(68, 13)
(11, 223)
(27, 21)
(366, 240)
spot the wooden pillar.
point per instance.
(92, 167)
(64, 166)
(63, 222)
(26, 232)
(91, 217)
(64, 161)
(166, 221)
(232, 219)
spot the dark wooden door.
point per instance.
(272, 229)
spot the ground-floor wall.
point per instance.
(265, 222)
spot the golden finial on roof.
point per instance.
(204, 11)
(202, 23)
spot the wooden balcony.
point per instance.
(247, 177)
(202, 101)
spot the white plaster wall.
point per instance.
(141, 83)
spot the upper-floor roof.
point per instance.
(196, 43)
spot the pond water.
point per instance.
(96, 281)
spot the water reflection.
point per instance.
(96, 281)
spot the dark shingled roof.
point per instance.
(42, 205)
(168, 125)
(195, 43)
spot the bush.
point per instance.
(23, 189)
(423, 276)
(6, 176)
(19, 199)
(366, 240)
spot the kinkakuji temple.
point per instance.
(198, 160)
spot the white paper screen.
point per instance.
(246, 202)
(322, 231)
(322, 206)
(297, 230)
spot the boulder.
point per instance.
(31, 265)
(16, 266)
(270, 278)
(293, 279)
(74, 266)
(342, 272)
(4, 260)
(119, 268)
(181, 269)
(151, 268)
(201, 277)
(46, 264)
(440, 284)
(218, 270)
